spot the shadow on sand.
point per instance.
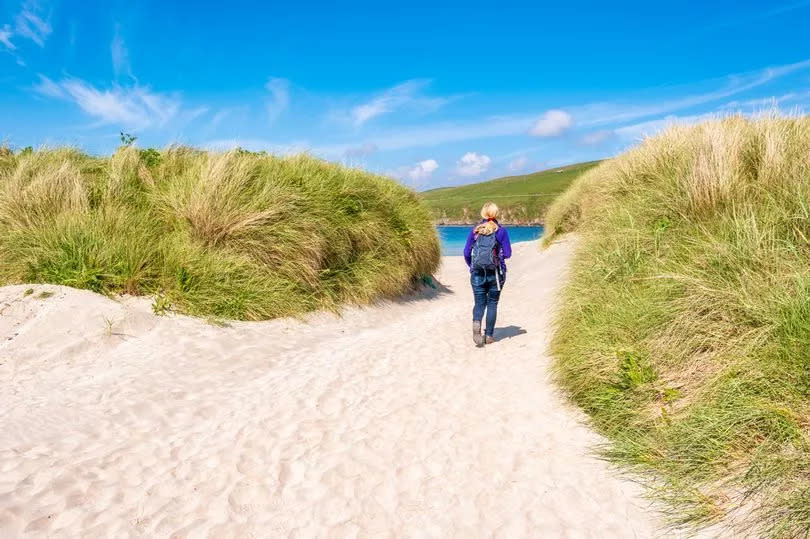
(508, 332)
(428, 288)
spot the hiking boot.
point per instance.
(490, 339)
(478, 339)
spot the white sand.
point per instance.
(387, 422)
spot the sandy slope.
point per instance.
(387, 422)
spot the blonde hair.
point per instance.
(488, 211)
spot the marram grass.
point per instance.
(685, 327)
(234, 235)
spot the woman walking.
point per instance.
(486, 252)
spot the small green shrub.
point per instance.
(161, 305)
(634, 371)
(150, 157)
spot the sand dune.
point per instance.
(115, 422)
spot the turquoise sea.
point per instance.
(454, 237)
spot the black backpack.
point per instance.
(484, 254)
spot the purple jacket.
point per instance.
(503, 239)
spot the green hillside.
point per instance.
(522, 199)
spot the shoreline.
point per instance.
(514, 243)
(472, 223)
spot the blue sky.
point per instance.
(433, 93)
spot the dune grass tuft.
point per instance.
(685, 328)
(234, 235)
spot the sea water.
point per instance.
(453, 238)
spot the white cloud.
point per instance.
(5, 37)
(279, 97)
(552, 123)
(30, 25)
(405, 95)
(422, 170)
(473, 164)
(518, 163)
(415, 175)
(135, 107)
(597, 137)
(120, 55)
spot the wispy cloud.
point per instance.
(5, 37)
(363, 150)
(407, 95)
(192, 114)
(756, 16)
(613, 113)
(48, 88)
(649, 128)
(640, 130)
(598, 137)
(30, 24)
(520, 152)
(279, 98)
(416, 136)
(120, 55)
(438, 133)
(518, 164)
(593, 115)
(597, 123)
(219, 116)
(768, 102)
(135, 107)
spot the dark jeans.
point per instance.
(486, 294)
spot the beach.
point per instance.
(383, 422)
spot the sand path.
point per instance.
(387, 422)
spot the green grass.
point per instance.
(233, 235)
(521, 199)
(685, 327)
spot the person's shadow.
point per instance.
(508, 332)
